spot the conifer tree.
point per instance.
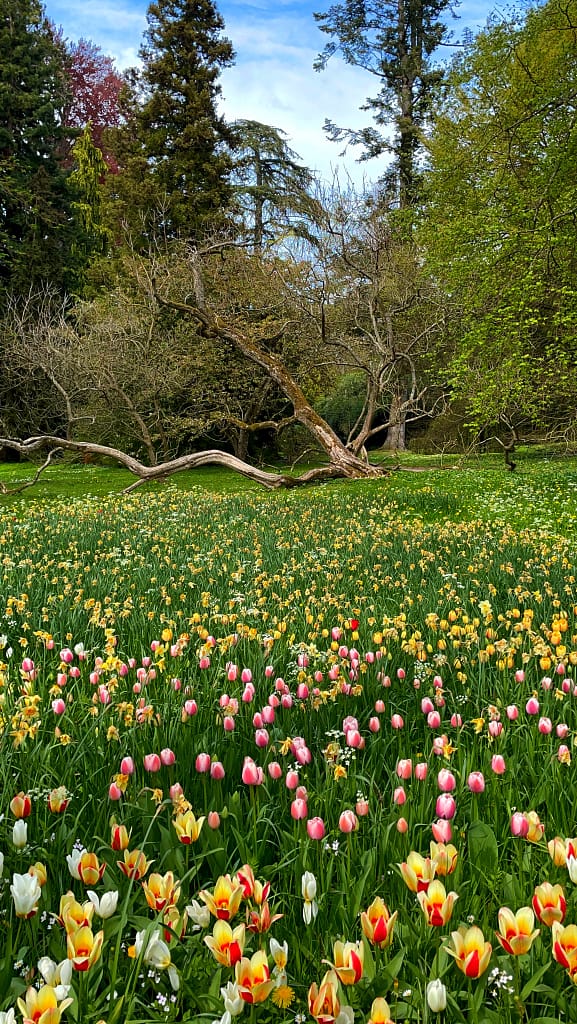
(36, 227)
(180, 132)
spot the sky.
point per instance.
(272, 81)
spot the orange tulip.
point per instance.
(417, 871)
(471, 952)
(436, 903)
(253, 978)
(90, 870)
(378, 924)
(261, 920)
(349, 959)
(549, 903)
(516, 933)
(135, 865)
(225, 900)
(161, 891)
(226, 944)
(21, 805)
(324, 1003)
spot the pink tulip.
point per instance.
(442, 831)
(362, 808)
(498, 764)
(269, 672)
(213, 819)
(397, 722)
(318, 677)
(247, 695)
(246, 676)
(370, 657)
(261, 738)
(231, 671)
(446, 781)
(316, 828)
(374, 724)
(250, 773)
(336, 633)
(439, 744)
(204, 662)
(532, 706)
(59, 706)
(292, 779)
(268, 714)
(74, 672)
(519, 824)
(299, 809)
(427, 705)
(191, 707)
(343, 651)
(546, 683)
(433, 720)
(560, 669)
(566, 686)
(286, 701)
(445, 806)
(401, 673)
(405, 768)
(167, 756)
(257, 721)
(399, 796)
(274, 770)
(114, 791)
(545, 726)
(27, 665)
(228, 723)
(456, 721)
(273, 701)
(302, 691)
(402, 825)
(66, 656)
(217, 771)
(562, 730)
(421, 770)
(175, 791)
(519, 676)
(61, 679)
(152, 763)
(512, 712)
(437, 682)
(146, 662)
(354, 739)
(379, 706)
(495, 728)
(348, 821)
(563, 754)
(127, 766)
(303, 755)
(202, 763)
(476, 782)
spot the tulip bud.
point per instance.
(436, 996)
(20, 834)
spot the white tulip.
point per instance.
(73, 860)
(436, 996)
(233, 1003)
(26, 892)
(20, 833)
(105, 905)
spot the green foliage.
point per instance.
(499, 224)
(37, 232)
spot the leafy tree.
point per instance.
(271, 187)
(501, 213)
(181, 140)
(394, 42)
(36, 227)
(94, 93)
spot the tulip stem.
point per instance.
(473, 1015)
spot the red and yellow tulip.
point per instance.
(417, 871)
(226, 899)
(348, 961)
(83, 947)
(471, 952)
(41, 1006)
(436, 904)
(226, 944)
(135, 865)
(378, 924)
(253, 978)
(549, 903)
(516, 934)
(324, 1003)
(187, 827)
(565, 945)
(161, 891)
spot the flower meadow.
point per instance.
(290, 757)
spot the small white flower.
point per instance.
(572, 868)
(233, 1003)
(199, 914)
(7, 1016)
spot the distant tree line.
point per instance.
(171, 281)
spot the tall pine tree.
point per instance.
(393, 40)
(36, 227)
(181, 135)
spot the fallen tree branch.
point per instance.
(163, 470)
(36, 477)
